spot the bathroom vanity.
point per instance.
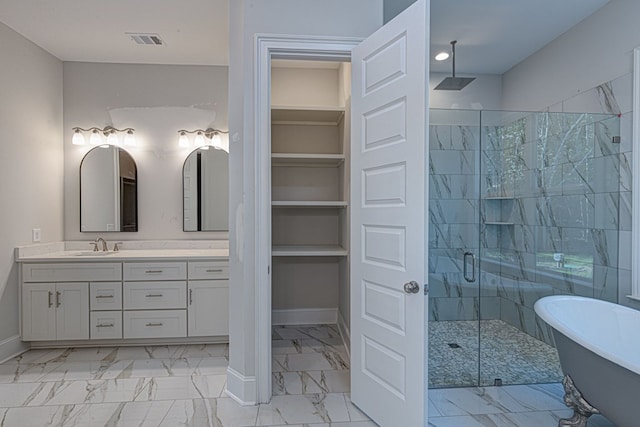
(129, 296)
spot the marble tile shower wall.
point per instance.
(541, 193)
(550, 198)
(614, 97)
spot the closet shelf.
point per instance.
(306, 115)
(304, 159)
(308, 250)
(309, 204)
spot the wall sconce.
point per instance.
(203, 139)
(99, 135)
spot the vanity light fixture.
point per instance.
(98, 136)
(204, 138)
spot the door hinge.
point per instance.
(426, 288)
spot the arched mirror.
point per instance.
(205, 181)
(108, 190)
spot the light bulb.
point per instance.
(183, 140)
(78, 138)
(442, 56)
(96, 138)
(199, 140)
(129, 139)
(112, 139)
(216, 140)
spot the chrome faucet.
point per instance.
(104, 244)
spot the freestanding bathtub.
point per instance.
(599, 347)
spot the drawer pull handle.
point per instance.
(218, 270)
(153, 271)
(190, 296)
(58, 299)
(154, 324)
(154, 295)
(50, 302)
(105, 325)
(103, 296)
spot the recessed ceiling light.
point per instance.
(442, 56)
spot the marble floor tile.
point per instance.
(20, 373)
(472, 401)
(537, 397)
(307, 382)
(303, 409)
(222, 412)
(89, 391)
(355, 414)
(176, 388)
(308, 362)
(212, 366)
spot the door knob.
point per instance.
(412, 287)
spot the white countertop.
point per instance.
(70, 252)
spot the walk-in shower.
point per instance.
(522, 205)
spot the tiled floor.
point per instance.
(507, 406)
(184, 385)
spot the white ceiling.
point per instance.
(493, 35)
(195, 31)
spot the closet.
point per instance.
(310, 192)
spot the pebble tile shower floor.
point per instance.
(505, 353)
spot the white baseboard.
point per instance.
(345, 334)
(304, 316)
(11, 347)
(240, 388)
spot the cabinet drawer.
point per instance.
(105, 295)
(106, 325)
(154, 295)
(155, 324)
(202, 270)
(155, 271)
(72, 272)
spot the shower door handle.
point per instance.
(465, 271)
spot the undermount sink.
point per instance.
(93, 253)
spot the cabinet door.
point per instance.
(72, 311)
(38, 312)
(208, 310)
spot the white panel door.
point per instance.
(388, 235)
(72, 311)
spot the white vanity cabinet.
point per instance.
(208, 313)
(124, 300)
(55, 299)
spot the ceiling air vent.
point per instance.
(149, 39)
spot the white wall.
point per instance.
(597, 50)
(30, 158)
(484, 93)
(357, 18)
(157, 101)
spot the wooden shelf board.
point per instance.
(309, 204)
(293, 159)
(306, 115)
(308, 250)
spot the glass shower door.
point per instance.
(454, 147)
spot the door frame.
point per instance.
(268, 47)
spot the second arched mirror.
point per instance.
(205, 180)
(108, 190)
